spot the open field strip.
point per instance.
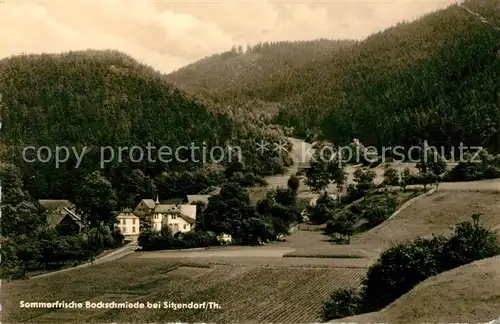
(252, 291)
(434, 214)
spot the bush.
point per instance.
(364, 178)
(432, 162)
(343, 224)
(327, 200)
(399, 269)
(410, 178)
(491, 172)
(320, 214)
(293, 183)
(486, 167)
(376, 214)
(427, 178)
(353, 194)
(342, 303)
(376, 209)
(286, 197)
(153, 240)
(470, 242)
(199, 239)
(391, 177)
(464, 171)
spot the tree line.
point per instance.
(371, 203)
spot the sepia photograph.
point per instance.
(250, 162)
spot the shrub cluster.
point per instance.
(46, 249)
(162, 240)
(487, 167)
(372, 210)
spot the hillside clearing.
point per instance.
(434, 214)
(468, 294)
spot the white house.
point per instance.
(179, 218)
(129, 223)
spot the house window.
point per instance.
(124, 221)
(174, 217)
(133, 229)
(133, 221)
(124, 229)
(185, 226)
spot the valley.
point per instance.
(274, 235)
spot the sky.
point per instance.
(170, 34)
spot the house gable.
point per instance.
(69, 225)
(127, 214)
(145, 205)
(187, 211)
(56, 210)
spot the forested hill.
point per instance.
(223, 78)
(98, 98)
(433, 79)
(105, 98)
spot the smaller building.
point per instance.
(62, 215)
(128, 223)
